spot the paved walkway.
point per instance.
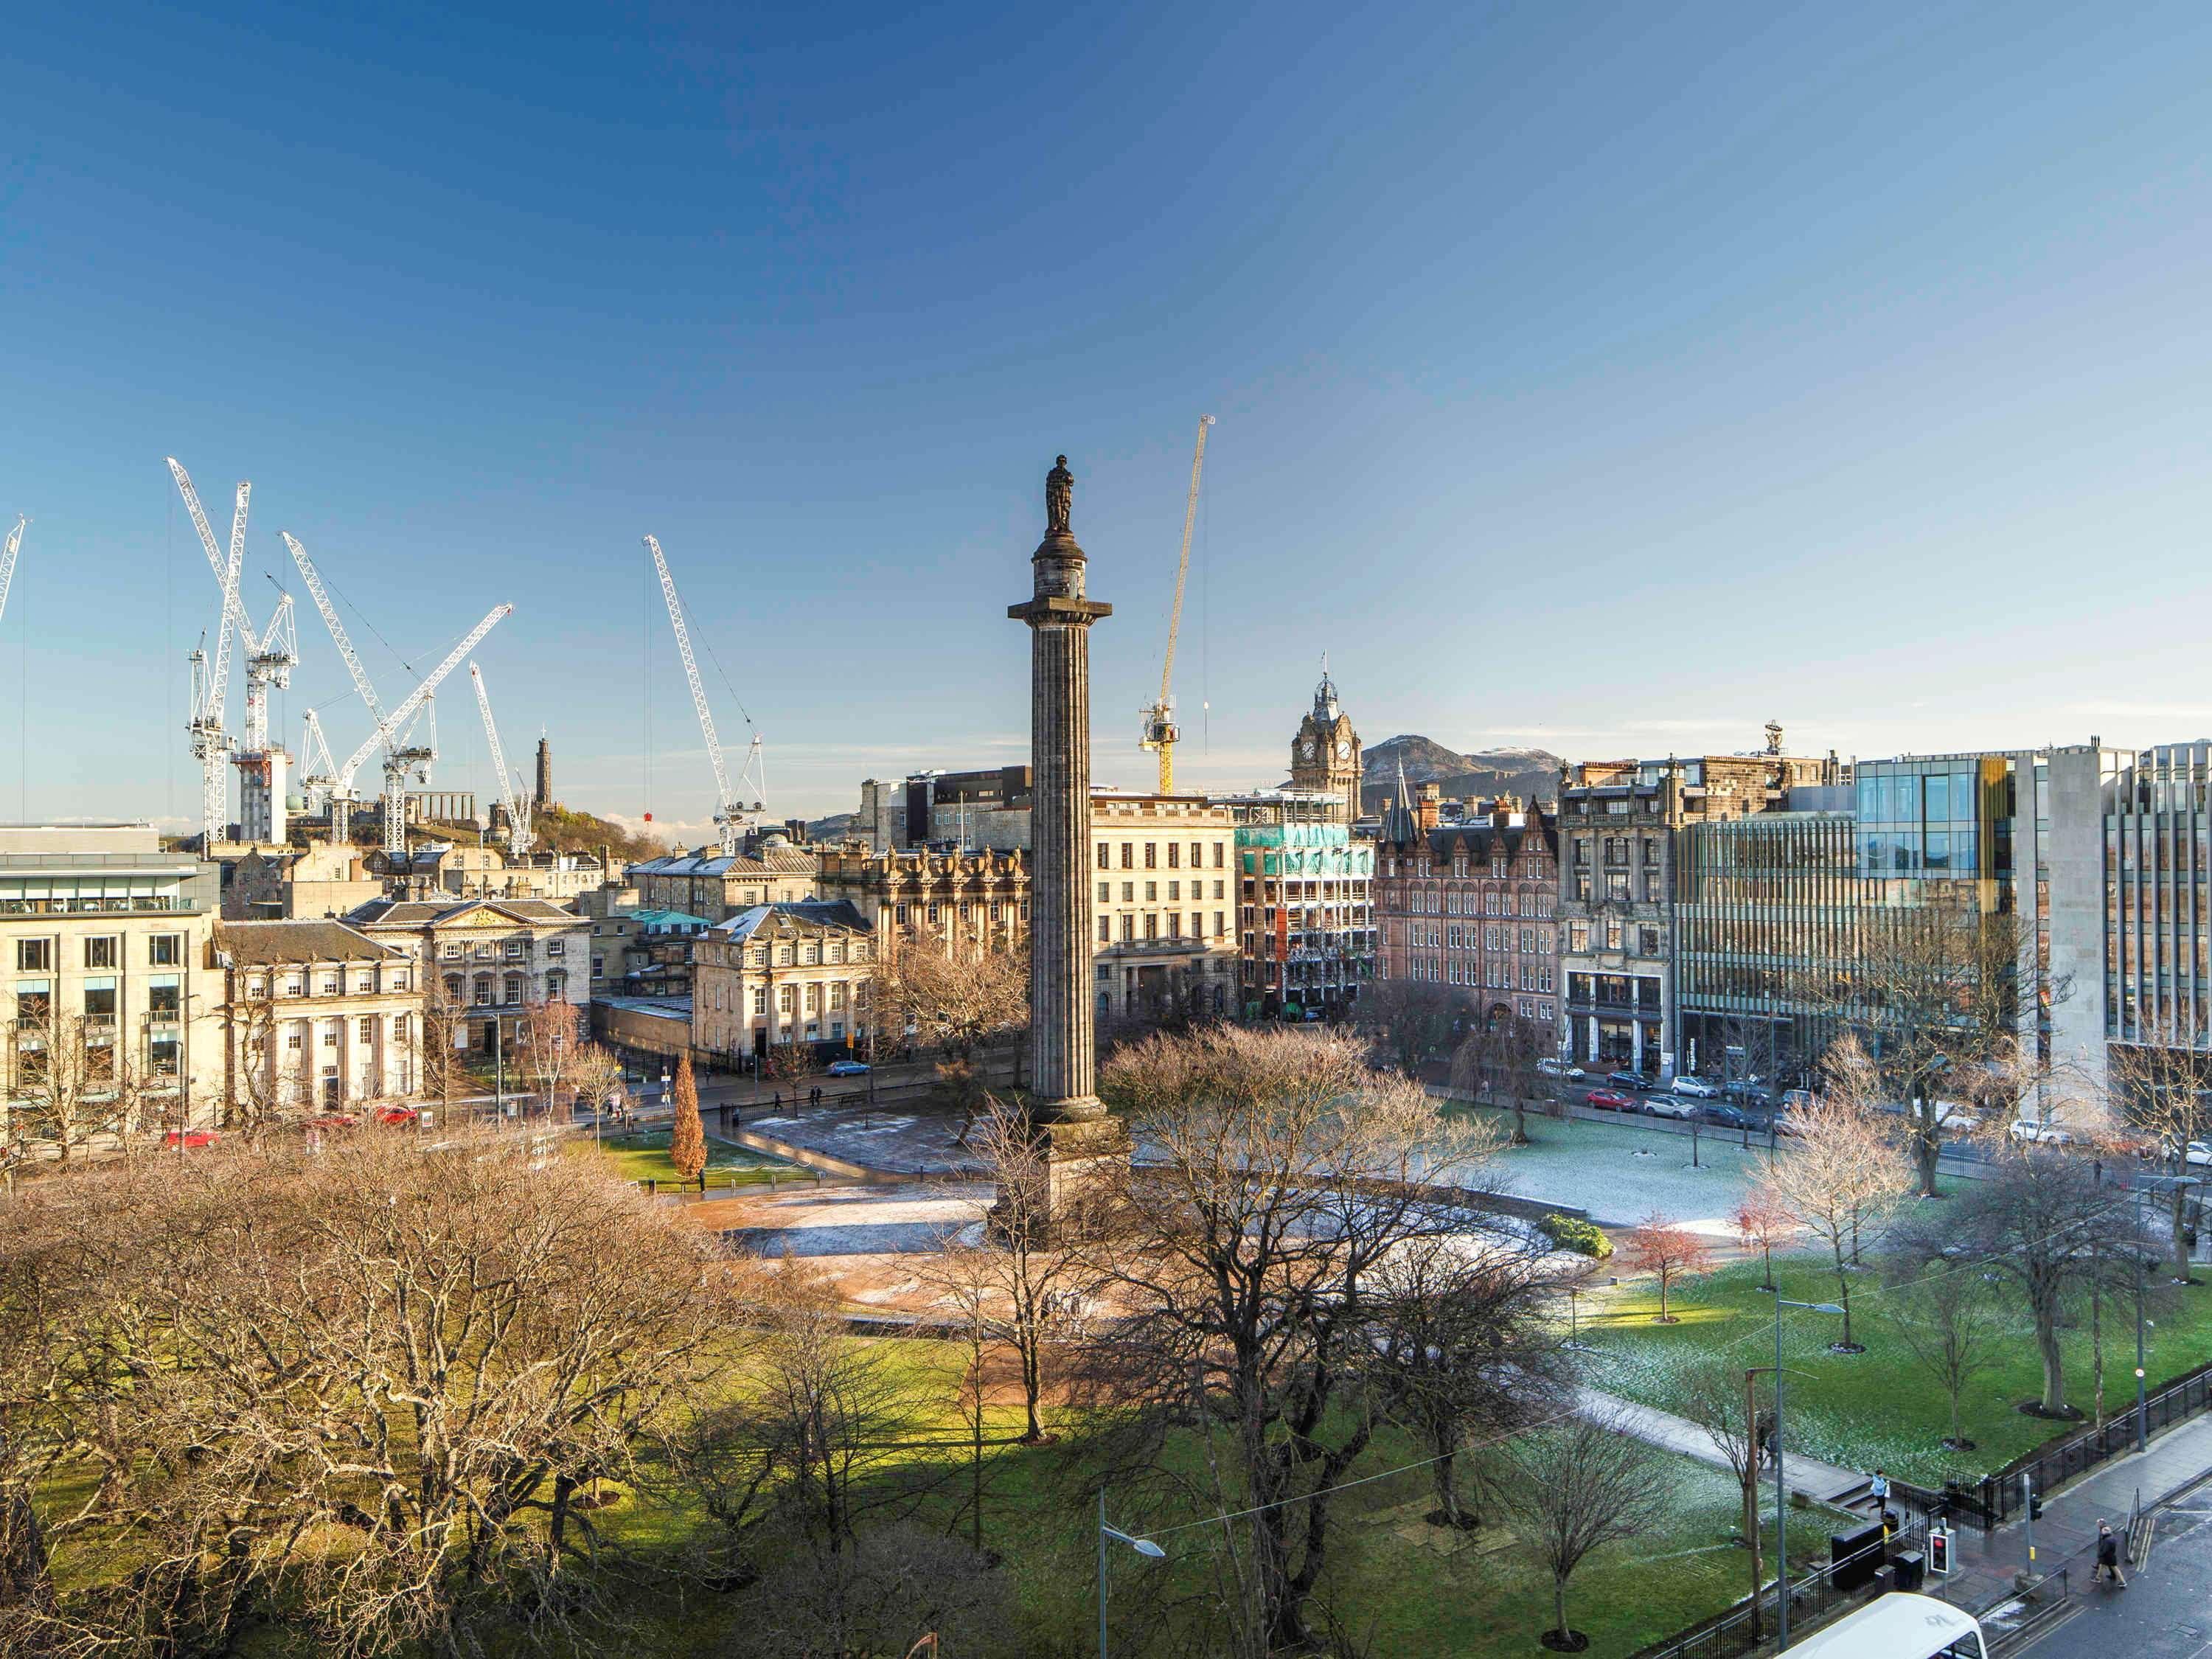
(1824, 1483)
(2066, 1535)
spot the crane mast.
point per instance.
(8, 549)
(519, 837)
(318, 771)
(211, 744)
(1159, 730)
(731, 814)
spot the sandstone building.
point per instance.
(781, 974)
(1471, 905)
(317, 1017)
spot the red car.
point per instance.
(397, 1115)
(332, 1121)
(1610, 1100)
(190, 1137)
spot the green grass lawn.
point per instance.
(1881, 1407)
(643, 1154)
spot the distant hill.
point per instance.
(1531, 773)
(556, 829)
(835, 827)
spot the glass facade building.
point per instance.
(2158, 898)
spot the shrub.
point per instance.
(1570, 1233)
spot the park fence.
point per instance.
(1997, 1499)
(1749, 1627)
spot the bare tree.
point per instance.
(1464, 1344)
(442, 1065)
(385, 1374)
(957, 996)
(1039, 1275)
(70, 1082)
(1498, 1060)
(2165, 1095)
(1761, 1223)
(594, 1074)
(2039, 1220)
(1717, 1395)
(1574, 1488)
(1931, 995)
(1411, 1020)
(549, 1033)
(1281, 1173)
(1943, 1313)
(1839, 1178)
(1663, 1247)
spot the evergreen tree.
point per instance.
(687, 1140)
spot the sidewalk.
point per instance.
(2067, 1534)
(1824, 1483)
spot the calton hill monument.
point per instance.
(1087, 1150)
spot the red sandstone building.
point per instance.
(1469, 905)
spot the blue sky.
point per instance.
(1606, 379)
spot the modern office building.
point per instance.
(1305, 908)
(112, 1000)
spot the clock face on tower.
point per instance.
(1306, 749)
(1343, 750)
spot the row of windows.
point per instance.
(37, 955)
(1152, 854)
(514, 989)
(1533, 868)
(34, 999)
(512, 949)
(1614, 934)
(1451, 901)
(967, 910)
(332, 981)
(1468, 936)
(1152, 892)
(296, 1031)
(1166, 924)
(1497, 976)
(815, 996)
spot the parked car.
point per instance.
(1670, 1105)
(1799, 1100)
(1722, 1115)
(1568, 1069)
(398, 1116)
(1737, 1088)
(191, 1137)
(2045, 1133)
(1696, 1088)
(331, 1121)
(2197, 1152)
(848, 1069)
(1630, 1080)
(1610, 1100)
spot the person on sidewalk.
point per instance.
(1878, 1491)
(2108, 1555)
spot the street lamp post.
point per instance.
(2142, 1406)
(1781, 1493)
(1143, 1547)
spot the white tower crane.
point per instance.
(340, 800)
(8, 549)
(269, 656)
(731, 813)
(516, 801)
(393, 733)
(211, 744)
(1160, 730)
(317, 769)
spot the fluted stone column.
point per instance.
(1062, 1035)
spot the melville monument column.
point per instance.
(1063, 1053)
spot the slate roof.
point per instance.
(773, 861)
(260, 943)
(791, 919)
(428, 913)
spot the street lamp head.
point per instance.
(1827, 1308)
(1146, 1547)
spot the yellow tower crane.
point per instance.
(1159, 730)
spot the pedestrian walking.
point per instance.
(2108, 1554)
(777, 1104)
(1878, 1491)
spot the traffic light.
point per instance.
(2035, 1506)
(1939, 1551)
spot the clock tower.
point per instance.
(1325, 755)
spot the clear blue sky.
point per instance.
(1610, 379)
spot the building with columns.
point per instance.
(490, 958)
(781, 974)
(975, 897)
(1325, 754)
(317, 1017)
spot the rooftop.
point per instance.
(251, 944)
